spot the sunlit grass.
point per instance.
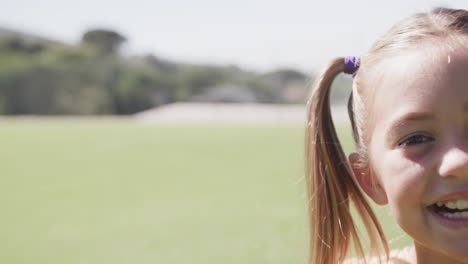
(115, 192)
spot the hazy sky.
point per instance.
(254, 34)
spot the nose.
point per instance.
(454, 163)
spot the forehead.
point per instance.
(420, 80)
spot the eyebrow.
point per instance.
(412, 117)
(415, 116)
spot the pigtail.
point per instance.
(331, 185)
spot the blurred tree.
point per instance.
(105, 41)
(279, 80)
(18, 44)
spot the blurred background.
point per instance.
(168, 131)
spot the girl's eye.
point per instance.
(415, 139)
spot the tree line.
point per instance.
(43, 77)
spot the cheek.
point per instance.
(404, 182)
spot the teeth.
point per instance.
(457, 215)
(456, 204)
(462, 204)
(451, 205)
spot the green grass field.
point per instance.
(114, 192)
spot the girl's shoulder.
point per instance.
(397, 256)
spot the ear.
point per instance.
(367, 180)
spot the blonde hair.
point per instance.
(330, 182)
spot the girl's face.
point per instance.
(418, 150)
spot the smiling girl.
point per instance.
(409, 116)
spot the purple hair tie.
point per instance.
(351, 64)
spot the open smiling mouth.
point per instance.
(456, 209)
